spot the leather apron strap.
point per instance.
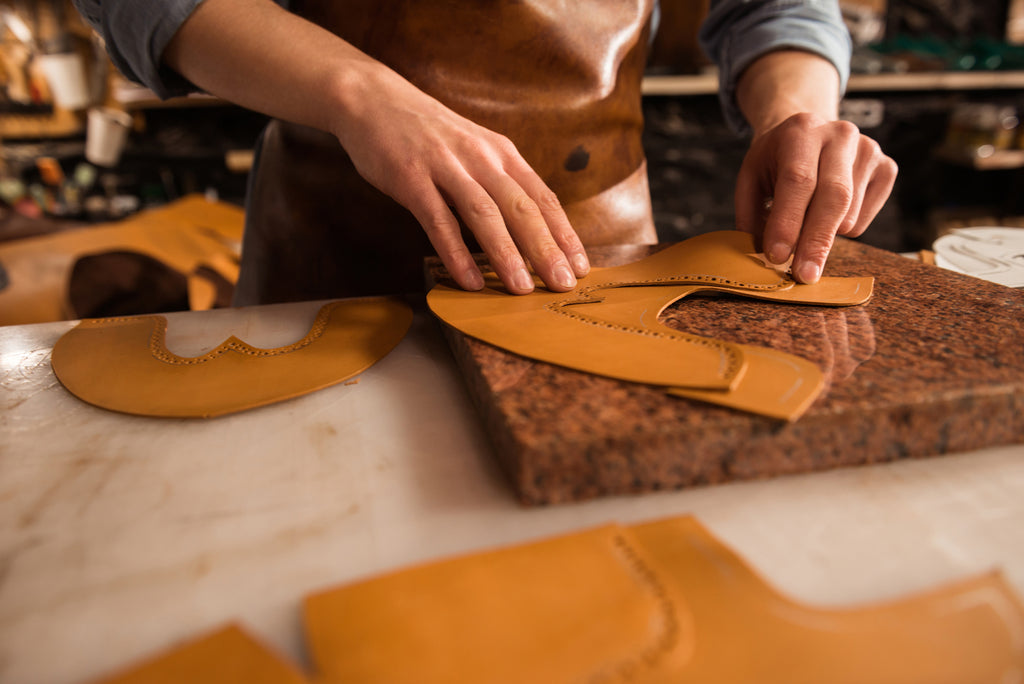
(562, 81)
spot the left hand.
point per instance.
(806, 180)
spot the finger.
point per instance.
(830, 205)
(529, 230)
(870, 172)
(554, 217)
(795, 183)
(876, 192)
(484, 218)
(444, 233)
(863, 169)
(751, 200)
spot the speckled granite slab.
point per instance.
(933, 364)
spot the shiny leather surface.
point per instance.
(561, 80)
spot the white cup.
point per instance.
(106, 135)
(65, 73)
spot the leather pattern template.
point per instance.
(123, 364)
(609, 325)
(658, 602)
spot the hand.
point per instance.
(406, 143)
(823, 178)
(437, 163)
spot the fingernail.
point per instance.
(473, 279)
(779, 252)
(564, 277)
(522, 280)
(808, 272)
(580, 264)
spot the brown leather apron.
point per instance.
(560, 79)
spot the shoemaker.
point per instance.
(404, 128)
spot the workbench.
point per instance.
(122, 536)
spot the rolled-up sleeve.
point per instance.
(136, 34)
(736, 32)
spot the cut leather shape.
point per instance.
(658, 602)
(185, 236)
(227, 656)
(123, 364)
(581, 608)
(609, 325)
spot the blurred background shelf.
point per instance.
(707, 84)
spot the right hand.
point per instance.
(435, 162)
(404, 142)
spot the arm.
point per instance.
(406, 143)
(784, 66)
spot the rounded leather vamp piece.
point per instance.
(123, 364)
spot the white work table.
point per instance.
(121, 536)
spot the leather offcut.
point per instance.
(123, 364)
(609, 325)
(193, 242)
(658, 602)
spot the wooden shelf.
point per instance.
(707, 84)
(700, 84)
(939, 80)
(983, 159)
(132, 96)
(61, 123)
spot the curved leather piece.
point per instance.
(562, 81)
(227, 656)
(655, 603)
(609, 325)
(588, 607)
(123, 364)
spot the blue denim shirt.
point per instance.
(735, 33)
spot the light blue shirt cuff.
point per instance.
(737, 32)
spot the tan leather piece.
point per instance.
(185, 235)
(228, 656)
(123, 364)
(654, 603)
(772, 383)
(560, 80)
(609, 325)
(969, 631)
(586, 607)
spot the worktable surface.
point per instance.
(121, 536)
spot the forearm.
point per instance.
(787, 82)
(258, 55)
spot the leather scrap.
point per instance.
(609, 325)
(189, 237)
(658, 602)
(123, 364)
